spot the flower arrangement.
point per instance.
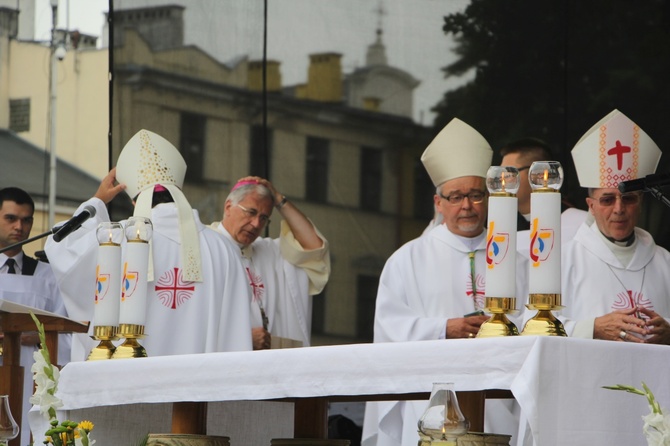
(657, 423)
(45, 375)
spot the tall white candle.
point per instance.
(501, 247)
(502, 183)
(546, 178)
(133, 308)
(108, 274)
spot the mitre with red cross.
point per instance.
(614, 150)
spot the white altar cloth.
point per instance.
(556, 381)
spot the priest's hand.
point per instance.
(620, 325)
(658, 328)
(261, 338)
(464, 327)
(107, 189)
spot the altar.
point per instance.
(557, 382)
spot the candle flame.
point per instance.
(502, 180)
(110, 237)
(546, 177)
(138, 233)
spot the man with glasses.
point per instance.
(283, 273)
(433, 287)
(615, 283)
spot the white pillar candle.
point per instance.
(108, 275)
(501, 247)
(502, 183)
(545, 243)
(546, 179)
(133, 308)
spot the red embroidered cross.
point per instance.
(172, 290)
(619, 151)
(256, 285)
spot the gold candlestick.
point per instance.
(130, 348)
(544, 323)
(503, 184)
(498, 324)
(105, 349)
(546, 178)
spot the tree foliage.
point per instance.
(551, 69)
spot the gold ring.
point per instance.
(471, 335)
(622, 335)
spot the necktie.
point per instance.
(10, 266)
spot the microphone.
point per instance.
(658, 179)
(73, 224)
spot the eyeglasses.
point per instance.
(521, 169)
(626, 199)
(253, 213)
(475, 197)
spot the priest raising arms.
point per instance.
(283, 273)
(212, 311)
(615, 281)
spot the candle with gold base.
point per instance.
(107, 289)
(133, 309)
(503, 184)
(546, 179)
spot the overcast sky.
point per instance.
(412, 33)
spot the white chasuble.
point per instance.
(594, 281)
(283, 277)
(182, 317)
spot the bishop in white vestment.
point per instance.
(615, 281)
(430, 284)
(197, 299)
(284, 273)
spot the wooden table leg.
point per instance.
(472, 406)
(189, 418)
(311, 418)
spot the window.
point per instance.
(260, 152)
(317, 170)
(19, 115)
(371, 179)
(366, 294)
(192, 145)
(423, 193)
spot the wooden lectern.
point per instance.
(14, 320)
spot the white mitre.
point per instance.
(457, 151)
(148, 160)
(615, 149)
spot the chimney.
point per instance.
(161, 26)
(324, 79)
(255, 76)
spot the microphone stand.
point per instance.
(656, 192)
(31, 239)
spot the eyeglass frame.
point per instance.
(521, 169)
(253, 213)
(463, 196)
(623, 198)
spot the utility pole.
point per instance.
(53, 85)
